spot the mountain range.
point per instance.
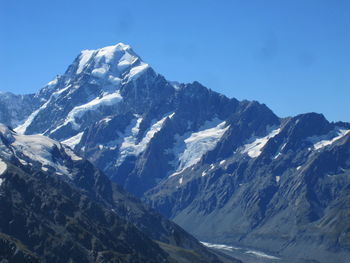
(227, 171)
(57, 207)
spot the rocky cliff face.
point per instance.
(57, 207)
(284, 192)
(15, 109)
(227, 170)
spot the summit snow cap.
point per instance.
(113, 62)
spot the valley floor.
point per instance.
(247, 255)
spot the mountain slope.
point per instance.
(14, 109)
(62, 209)
(284, 192)
(229, 171)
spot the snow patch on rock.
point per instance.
(3, 167)
(36, 150)
(222, 162)
(84, 58)
(191, 147)
(79, 111)
(137, 71)
(74, 140)
(52, 83)
(322, 141)
(23, 127)
(254, 148)
(99, 72)
(71, 154)
(39, 148)
(130, 145)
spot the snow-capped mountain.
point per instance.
(110, 106)
(229, 171)
(92, 87)
(36, 152)
(57, 207)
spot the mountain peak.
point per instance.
(108, 67)
(99, 61)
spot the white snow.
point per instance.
(261, 254)
(298, 168)
(126, 61)
(52, 83)
(212, 166)
(278, 178)
(39, 148)
(103, 58)
(71, 154)
(23, 127)
(136, 72)
(114, 80)
(151, 132)
(190, 148)
(176, 85)
(222, 162)
(23, 161)
(200, 143)
(130, 145)
(277, 155)
(325, 140)
(35, 149)
(171, 115)
(177, 173)
(220, 246)
(106, 120)
(56, 93)
(99, 72)
(180, 180)
(34, 146)
(73, 141)
(3, 167)
(79, 111)
(112, 63)
(108, 53)
(254, 149)
(84, 58)
(255, 253)
(283, 146)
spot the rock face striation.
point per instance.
(228, 171)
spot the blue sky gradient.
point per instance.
(293, 56)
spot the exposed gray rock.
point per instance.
(226, 170)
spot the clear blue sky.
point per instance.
(293, 56)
